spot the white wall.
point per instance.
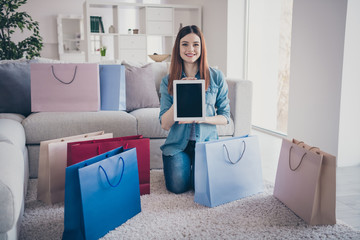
(45, 12)
(236, 37)
(224, 31)
(215, 32)
(316, 72)
(349, 132)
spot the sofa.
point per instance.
(21, 131)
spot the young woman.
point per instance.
(189, 62)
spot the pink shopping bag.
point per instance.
(52, 165)
(306, 182)
(59, 87)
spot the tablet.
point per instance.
(189, 100)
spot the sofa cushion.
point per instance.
(159, 69)
(140, 88)
(15, 87)
(51, 125)
(148, 123)
(12, 132)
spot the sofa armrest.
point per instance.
(240, 95)
(11, 185)
(13, 177)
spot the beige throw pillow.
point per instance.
(140, 88)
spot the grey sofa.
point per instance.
(14, 174)
(20, 139)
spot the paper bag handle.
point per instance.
(318, 152)
(99, 148)
(311, 148)
(107, 177)
(53, 72)
(228, 156)
(302, 158)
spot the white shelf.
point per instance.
(104, 34)
(72, 39)
(158, 24)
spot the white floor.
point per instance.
(347, 179)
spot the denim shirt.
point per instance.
(217, 103)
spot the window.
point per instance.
(269, 45)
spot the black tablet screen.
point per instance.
(189, 100)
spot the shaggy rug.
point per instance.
(169, 216)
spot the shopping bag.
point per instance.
(52, 164)
(59, 87)
(101, 193)
(227, 170)
(306, 182)
(79, 151)
(112, 87)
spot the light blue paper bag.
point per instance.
(112, 87)
(227, 170)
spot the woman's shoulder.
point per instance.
(216, 75)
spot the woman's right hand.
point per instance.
(167, 119)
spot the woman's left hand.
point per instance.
(214, 120)
(190, 122)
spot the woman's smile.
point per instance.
(190, 48)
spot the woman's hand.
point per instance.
(215, 120)
(167, 119)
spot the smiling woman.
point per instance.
(189, 62)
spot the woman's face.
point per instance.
(190, 48)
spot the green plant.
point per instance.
(103, 51)
(10, 20)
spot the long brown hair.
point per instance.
(176, 66)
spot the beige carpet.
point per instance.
(169, 216)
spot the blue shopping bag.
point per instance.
(111, 200)
(227, 170)
(112, 87)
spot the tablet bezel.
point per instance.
(198, 81)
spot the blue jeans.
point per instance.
(179, 170)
